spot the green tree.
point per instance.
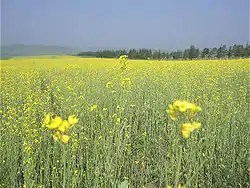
(247, 51)
(213, 53)
(186, 54)
(193, 52)
(205, 53)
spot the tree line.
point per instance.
(222, 52)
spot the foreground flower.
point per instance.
(64, 126)
(185, 108)
(172, 113)
(60, 126)
(72, 120)
(54, 123)
(62, 137)
(187, 128)
(47, 119)
(181, 106)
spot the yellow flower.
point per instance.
(187, 127)
(185, 134)
(173, 116)
(94, 107)
(182, 106)
(56, 136)
(177, 104)
(55, 123)
(126, 83)
(72, 120)
(64, 138)
(171, 107)
(47, 119)
(108, 84)
(196, 125)
(64, 126)
(172, 113)
(196, 108)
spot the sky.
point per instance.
(157, 24)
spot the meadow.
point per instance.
(122, 133)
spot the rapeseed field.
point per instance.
(89, 122)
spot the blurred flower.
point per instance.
(108, 84)
(64, 126)
(72, 120)
(55, 122)
(47, 119)
(60, 126)
(64, 139)
(187, 128)
(94, 107)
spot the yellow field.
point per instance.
(124, 133)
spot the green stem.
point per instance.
(178, 167)
(64, 166)
(195, 173)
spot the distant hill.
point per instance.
(8, 51)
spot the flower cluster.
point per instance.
(184, 107)
(180, 106)
(126, 83)
(60, 126)
(187, 128)
(123, 59)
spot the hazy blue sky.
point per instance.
(164, 24)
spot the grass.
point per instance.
(129, 139)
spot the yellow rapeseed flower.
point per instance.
(185, 134)
(72, 119)
(196, 125)
(172, 113)
(64, 126)
(108, 84)
(64, 138)
(182, 106)
(47, 119)
(187, 127)
(94, 107)
(196, 108)
(56, 136)
(55, 123)
(126, 83)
